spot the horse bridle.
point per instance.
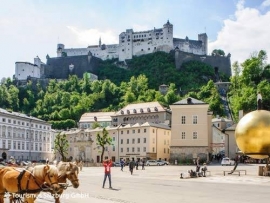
(52, 183)
(72, 180)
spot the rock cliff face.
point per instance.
(219, 63)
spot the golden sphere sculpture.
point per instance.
(252, 134)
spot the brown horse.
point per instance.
(27, 184)
(67, 170)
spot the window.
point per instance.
(3, 119)
(144, 130)
(127, 141)
(113, 148)
(133, 131)
(22, 145)
(133, 149)
(4, 144)
(127, 149)
(144, 140)
(183, 135)
(127, 131)
(154, 140)
(183, 120)
(133, 141)
(121, 141)
(9, 120)
(195, 135)
(121, 132)
(153, 130)
(144, 149)
(19, 145)
(139, 130)
(164, 150)
(121, 150)
(153, 149)
(113, 138)
(14, 144)
(139, 140)
(138, 149)
(195, 119)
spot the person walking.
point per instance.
(143, 163)
(107, 166)
(198, 165)
(122, 163)
(137, 165)
(131, 166)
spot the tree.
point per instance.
(95, 125)
(103, 140)
(61, 145)
(218, 52)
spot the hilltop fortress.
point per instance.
(78, 61)
(139, 43)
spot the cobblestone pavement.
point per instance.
(163, 184)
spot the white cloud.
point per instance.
(91, 36)
(266, 3)
(246, 33)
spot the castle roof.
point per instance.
(189, 101)
(100, 116)
(140, 108)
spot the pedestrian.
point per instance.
(198, 164)
(143, 165)
(47, 161)
(107, 166)
(137, 164)
(131, 166)
(122, 163)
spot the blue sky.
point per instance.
(30, 28)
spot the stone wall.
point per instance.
(190, 153)
(223, 63)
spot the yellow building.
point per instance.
(191, 130)
(138, 141)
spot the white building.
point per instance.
(104, 119)
(139, 43)
(26, 69)
(24, 137)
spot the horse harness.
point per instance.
(27, 190)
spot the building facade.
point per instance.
(139, 141)
(24, 137)
(191, 130)
(151, 112)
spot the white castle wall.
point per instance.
(139, 43)
(101, 51)
(25, 69)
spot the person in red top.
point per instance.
(107, 166)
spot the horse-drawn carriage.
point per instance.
(23, 185)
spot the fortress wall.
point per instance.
(222, 62)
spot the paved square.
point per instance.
(162, 184)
